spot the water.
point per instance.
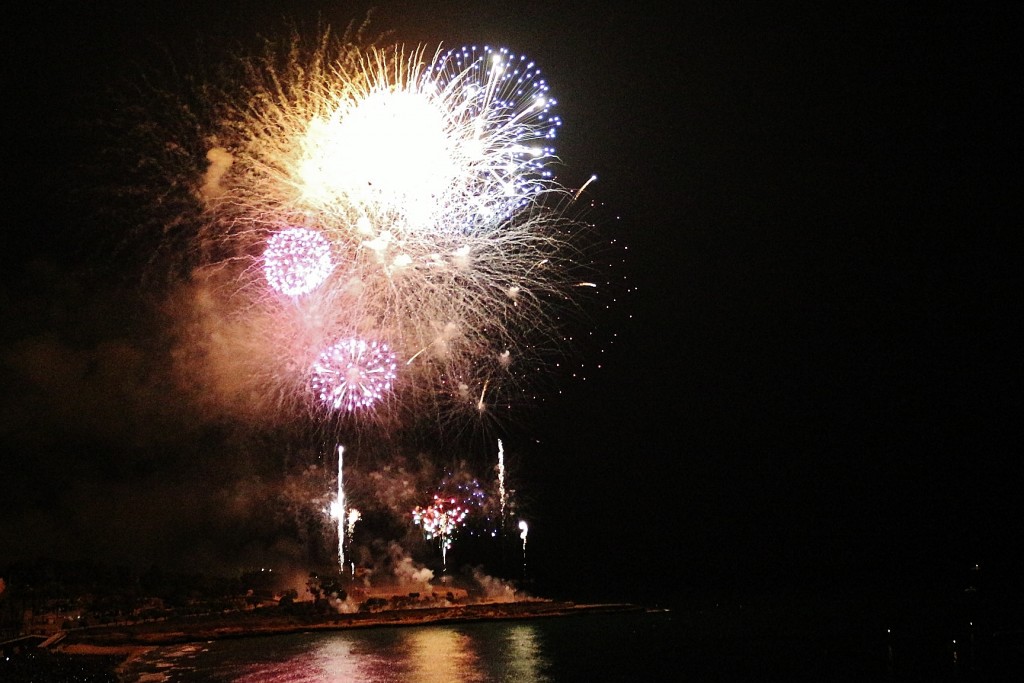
(729, 643)
(635, 646)
(719, 642)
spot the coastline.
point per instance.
(100, 654)
(126, 640)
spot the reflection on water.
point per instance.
(525, 656)
(440, 655)
(333, 661)
(469, 653)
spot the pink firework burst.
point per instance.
(353, 373)
(440, 519)
(296, 260)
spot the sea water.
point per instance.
(630, 646)
(727, 643)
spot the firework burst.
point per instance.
(440, 520)
(296, 260)
(458, 498)
(432, 222)
(353, 374)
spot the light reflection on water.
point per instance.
(525, 660)
(509, 652)
(439, 655)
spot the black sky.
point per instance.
(821, 377)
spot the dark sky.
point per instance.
(821, 377)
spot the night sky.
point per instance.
(817, 381)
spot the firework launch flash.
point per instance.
(503, 495)
(523, 530)
(341, 508)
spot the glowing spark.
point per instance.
(413, 356)
(583, 187)
(480, 405)
(353, 517)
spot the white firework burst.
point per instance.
(297, 260)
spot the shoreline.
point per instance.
(126, 640)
